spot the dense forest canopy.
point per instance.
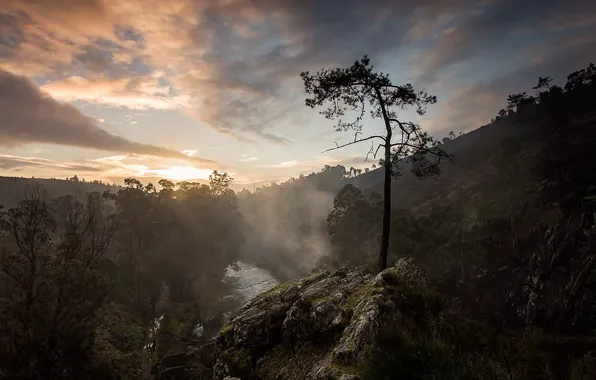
(507, 233)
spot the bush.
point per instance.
(457, 349)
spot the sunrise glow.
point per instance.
(183, 173)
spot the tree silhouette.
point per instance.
(52, 284)
(358, 88)
(515, 101)
(543, 83)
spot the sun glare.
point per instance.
(184, 173)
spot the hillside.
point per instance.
(507, 230)
(13, 188)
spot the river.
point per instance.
(246, 281)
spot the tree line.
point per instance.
(66, 262)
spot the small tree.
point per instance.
(349, 224)
(358, 87)
(543, 83)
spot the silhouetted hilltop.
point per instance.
(13, 188)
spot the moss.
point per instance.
(282, 363)
(275, 359)
(318, 300)
(341, 369)
(240, 363)
(274, 291)
(242, 358)
(154, 358)
(269, 294)
(362, 292)
(226, 329)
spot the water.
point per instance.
(246, 281)
(153, 332)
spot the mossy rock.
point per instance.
(319, 327)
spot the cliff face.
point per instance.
(322, 326)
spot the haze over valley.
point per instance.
(288, 190)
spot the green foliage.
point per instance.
(118, 348)
(198, 225)
(167, 248)
(52, 283)
(349, 225)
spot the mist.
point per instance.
(285, 227)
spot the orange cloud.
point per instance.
(30, 115)
(134, 92)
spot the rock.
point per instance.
(349, 377)
(359, 334)
(341, 272)
(294, 327)
(553, 288)
(320, 327)
(174, 360)
(176, 373)
(232, 378)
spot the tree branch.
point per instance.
(418, 150)
(373, 153)
(400, 124)
(354, 142)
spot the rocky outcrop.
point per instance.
(557, 292)
(320, 327)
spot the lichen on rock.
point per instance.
(320, 327)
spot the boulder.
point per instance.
(321, 327)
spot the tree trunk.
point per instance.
(386, 208)
(387, 188)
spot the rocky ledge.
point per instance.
(321, 327)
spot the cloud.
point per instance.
(474, 106)
(29, 115)
(498, 27)
(318, 163)
(46, 34)
(231, 59)
(16, 163)
(94, 58)
(190, 152)
(233, 65)
(110, 168)
(285, 164)
(246, 158)
(133, 92)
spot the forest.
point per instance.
(506, 231)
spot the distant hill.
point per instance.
(13, 188)
(479, 160)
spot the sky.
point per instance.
(108, 89)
